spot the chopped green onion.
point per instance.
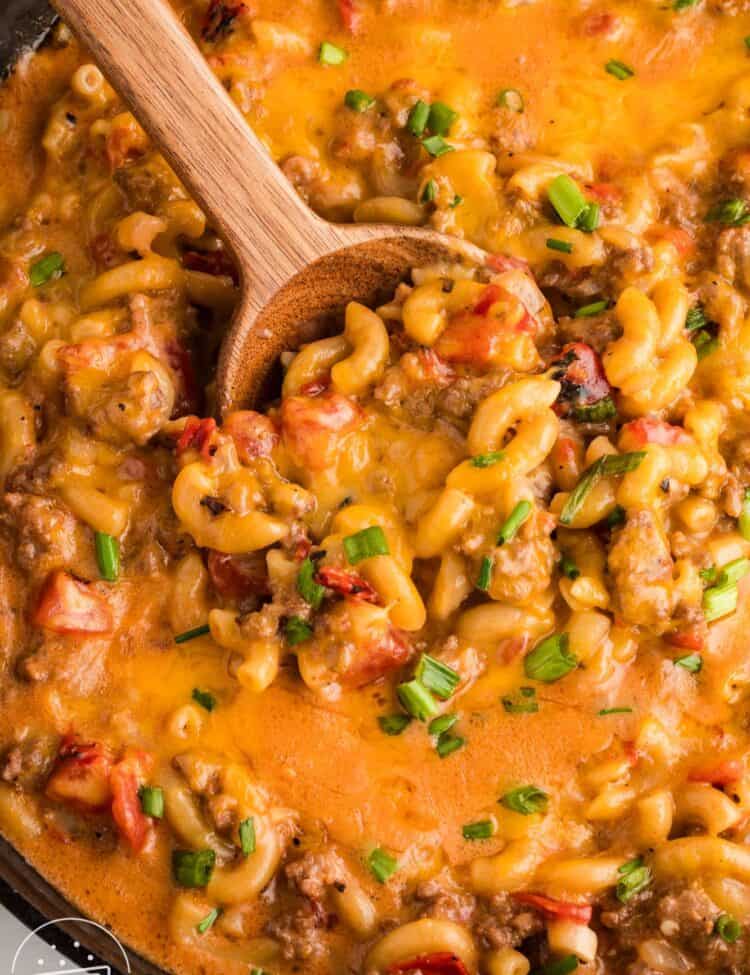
(567, 199)
(50, 267)
(683, 4)
(416, 700)
(487, 460)
(204, 698)
(554, 244)
(107, 556)
(481, 830)
(192, 634)
(448, 743)
(152, 800)
(568, 568)
(510, 98)
(247, 836)
(607, 465)
(514, 521)
(619, 70)
(208, 921)
(393, 724)
(705, 344)
(635, 876)
(455, 201)
(193, 868)
(747, 42)
(733, 571)
(588, 311)
(719, 601)
(695, 318)
(258, 971)
(605, 409)
(437, 677)
(296, 630)
(744, 520)
(310, 590)
(692, 662)
(444, 723)
(358, 100)
(616, 517)
(417, 121)
(588, 221)
(381, 864)
(709, 575)
(365, 544)
(485, 574)
(441, 118)
(429, 192)
(330, 54)
(563, 966)
(437, 146)
(525, 703)
(550, 660)
(526, 800)
(731, 213)
(728, 928)
(606, 711)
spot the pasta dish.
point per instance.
(437, 663)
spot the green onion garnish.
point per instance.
(441, 118)
(513, 522)
(310, 590)
(705, 343)
(619, 70)
(444, 723)
(152, 800)
(193, 868)
(728, 928)
(692, 662)
(695, 318)
(607, 465)
(554, 244)
(526, 800)
(208, 921)
(247, 836)
(563, 966)
(568, 568)
(524, 703)
(429, 192)
(50, 267)
(733, 571)
(550, 660)
(588, 220)
(683, 4)
(731, 213)
(204, 698)
(192, 634)
(358, 100)
(481, 830)
(296, 630)
(605, 409)
(417, 121)
(330, 54)
(606, 711)
(416, 700)
(747, 42)
(616, 517)
(634, 877)
(744, 520)
(719, 601)
(588, 311)
(487, 460)
(381, 864)
(437, 146)
(107, 556)
(510, 98)
(455, 201)
(448, 743)
(567, 199)
(437, 677)
(393, 724)
(365, 544)
(485, 574)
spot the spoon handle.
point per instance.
(148, 56)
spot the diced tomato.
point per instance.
(723, 773)
(491, 294)
(67, 605)
(189, 396)
(631, 752)
(604, 192)
(254, 435)
(123, 145)
(551, 908)
(504, 262)
(350, 14)
(512, 648)
(437, 963)
(347, 583)
(435, 370)
(219, 19)
(217, 263)
(581, 374)
(81, 774)
(647, 429)
(238, 576)
(487, 334)
(683, 239)
(692, 639)
(126, 778)
(601, 23)
(197, 435)
(377, 657)
(313, 428)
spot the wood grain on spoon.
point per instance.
(297, 271)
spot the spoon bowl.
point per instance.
(297, 271)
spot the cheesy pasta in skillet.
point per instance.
(438, 663)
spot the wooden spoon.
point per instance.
(297, 271)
